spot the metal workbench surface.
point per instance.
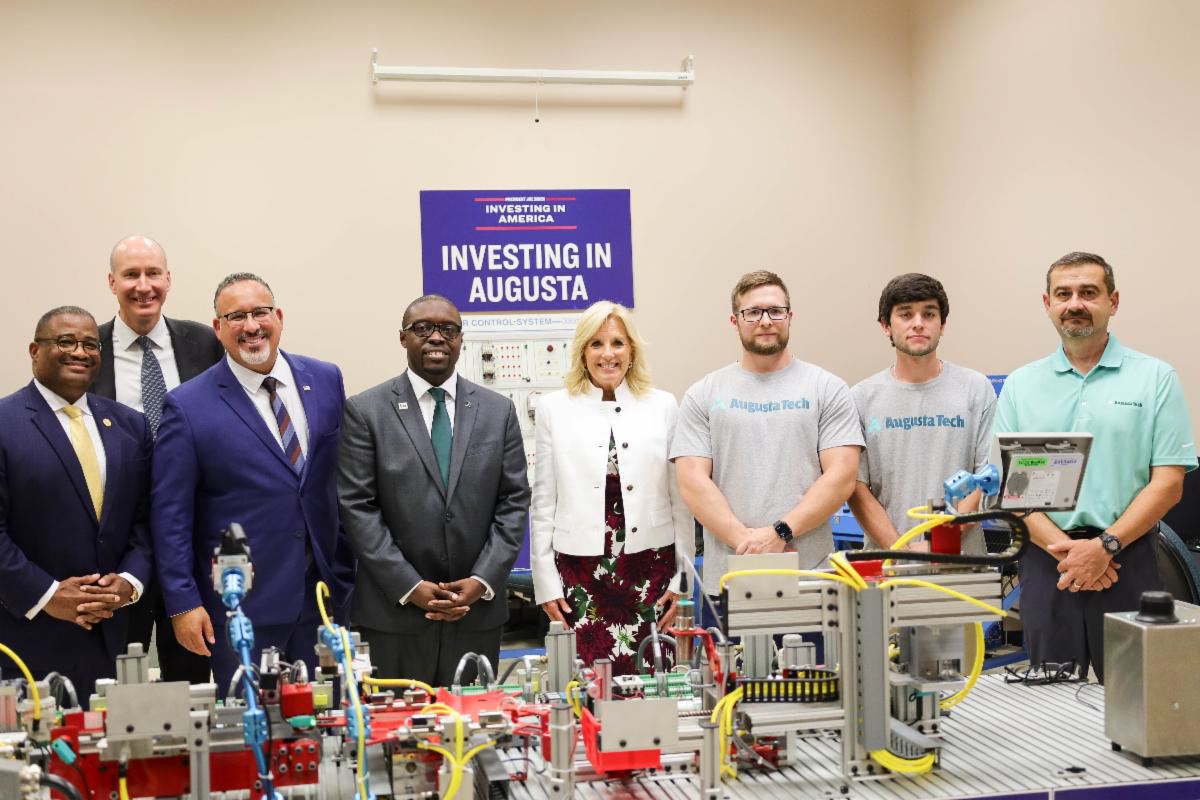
(1004, 741)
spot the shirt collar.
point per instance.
(421, 386)
(1113, 355)
(622, 392)
(251, 381)
(125, 337)
(57, 403)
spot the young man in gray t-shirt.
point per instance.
(765, 450)
(924, 419)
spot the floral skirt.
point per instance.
(612, 596)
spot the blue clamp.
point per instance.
(960, 485)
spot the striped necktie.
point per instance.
(81, 440)
(287, 431)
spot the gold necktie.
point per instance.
(86, 453)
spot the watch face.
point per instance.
(1112, 544)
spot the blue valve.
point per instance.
(960, 485)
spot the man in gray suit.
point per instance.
(434, 497)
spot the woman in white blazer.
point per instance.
(609, 532)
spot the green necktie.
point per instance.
(442, 435)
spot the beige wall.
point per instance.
(838, 142)
(1045, 127)
(248, 136)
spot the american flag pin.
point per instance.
(107, 422)
(308, 388)
(402, 406)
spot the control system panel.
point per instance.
(521, 356)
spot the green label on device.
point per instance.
(1032, 461)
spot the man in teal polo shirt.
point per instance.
(1097, 558)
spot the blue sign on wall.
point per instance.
(527, 249)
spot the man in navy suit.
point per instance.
(252, 440)
(74, 481)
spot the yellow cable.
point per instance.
(908, 766)
(806, 573)
(123, 788)
(839, 562)
(723, 711)
(976, 669)
(322, 593)
(952, 592)
(573, 700)
(931, 522)
(362, 752)
(33, 690)
(369, 681)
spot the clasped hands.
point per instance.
(88, 599)
(760, 540)
(448, 601)
(1084, 565)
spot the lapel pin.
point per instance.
(468, 404)
(107, 422)
(308, 388)
(402, 406)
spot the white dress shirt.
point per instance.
(127, 360)
(289, 393)
(57, 404)
(427, 404)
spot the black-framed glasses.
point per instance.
(259, 314)
(448, 330)
(67, 344)
(776, 313)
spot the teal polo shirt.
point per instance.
(1131, 403)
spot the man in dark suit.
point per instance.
(434, 495)
(74, 476)
(143, 355)
(252, 440)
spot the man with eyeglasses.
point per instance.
(143, 356)
(766, 449)
(253, 440)
(434, 494)
(923, 418)
(74, 544)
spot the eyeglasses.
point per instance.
(67, 345)
(448, 330)
(259, 314)
(776, 313)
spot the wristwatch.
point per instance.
(134, 594)
(783, 531)
(1112, 545)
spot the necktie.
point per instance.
(86, 453)
(443, 437)
(287, 431)
(154, 388)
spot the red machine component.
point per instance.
(296, 700)
(946, 538)
(619, 761)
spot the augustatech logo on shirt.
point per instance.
(765, 407)
(919, 421)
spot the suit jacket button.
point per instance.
(299, 534)
(633, 530)
(449, 516)
(618, 409)
(624, 444)
(629, 487)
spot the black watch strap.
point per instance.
(783, 531)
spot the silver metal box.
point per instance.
(1152, 684)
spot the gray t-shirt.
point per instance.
(919, 434)
(763, 433)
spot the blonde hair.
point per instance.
(638, 376)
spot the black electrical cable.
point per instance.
(60, 785)
(1020, 541)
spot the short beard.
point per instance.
(261, 357)
(1078, 333)
(752, 346)
(904, 348)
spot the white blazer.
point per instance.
(570, 468)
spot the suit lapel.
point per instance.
(186, 362)
(44, 420)
(106, 380)
(309, 400)
(404, 403)
(114, 452)
(235, 397)
(464, 422)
